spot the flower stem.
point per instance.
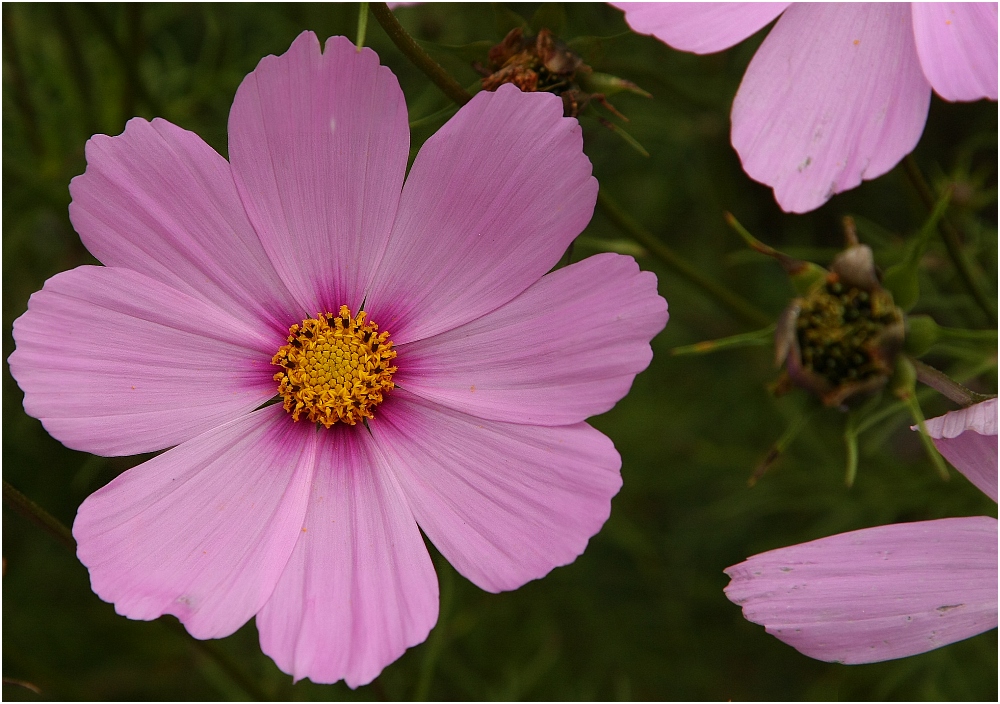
(420, 58)
(28, 509)
(362, 25)
(436, 640)
(719, 293)
(945, 385)
(952, 240)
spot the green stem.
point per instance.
(918, 416)
(28, 509)
(719, 293)
(780, 445)
(952, 240)
(224, 663)
(851, 441)
(420, 58)
(22, 96)
(362, 25)
(436, 641)
(961, 334)
(945, 385)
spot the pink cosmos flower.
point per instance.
(890, 591)
(455, 401)
(838, 92)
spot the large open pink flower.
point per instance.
(228, 283)
(838, 92)
(890, 591)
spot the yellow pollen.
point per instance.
(334, 368)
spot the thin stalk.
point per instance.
(963, 335)
(925, 439)
(780, 445)
(420, 58)
(362, 25)
(945, 385)
(224, 663)
(436, 640)
(28, 509)
(952, 240)
(22, 96)
(719, 293)
(851, 441)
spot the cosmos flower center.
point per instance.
(334, 368)
(838, 328)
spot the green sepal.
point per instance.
(805, 276)
(921, 333)
(757, 338)
(609, 85)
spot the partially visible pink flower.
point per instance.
(838, 92)
(891, 591)
(968, 439)
(471, 394)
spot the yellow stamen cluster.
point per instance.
(335, 368)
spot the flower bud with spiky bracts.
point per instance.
(545, 63)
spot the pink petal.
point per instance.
(158, 200)
(490, 204)
(834, 95)
(875, 594)
(359, 588)
(957, 45)
(565, 349)
(968, 439)
(204, 530)
(701, 27)
(505, 503)
(318, 144)
(115, 363)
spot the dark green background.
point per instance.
(641, 615)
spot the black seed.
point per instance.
(296, 343)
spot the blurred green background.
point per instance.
(641, 615)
